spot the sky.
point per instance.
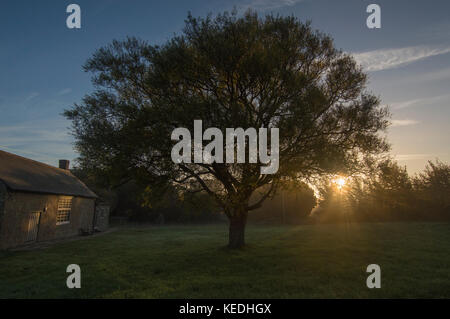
(407, 60)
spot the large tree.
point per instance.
(229, 72)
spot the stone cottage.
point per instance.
(39, 202)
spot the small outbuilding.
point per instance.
(39, 202)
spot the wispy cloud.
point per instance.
(396, 123)
(45, 140)
(420, 102)
(410, 157)
(64, 91)
(31, 96)
(30, 132)
(385, 59)
(405, 104)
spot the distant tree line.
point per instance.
(161, 204)
(388, 194)
(164, 204)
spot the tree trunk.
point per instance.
(237, 229)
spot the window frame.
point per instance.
(66, 210)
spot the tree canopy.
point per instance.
(230, 72)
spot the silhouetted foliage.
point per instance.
(389, 194)
(228, 71)
(432, 188)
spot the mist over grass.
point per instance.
(309, 261)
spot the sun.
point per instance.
(340, 182)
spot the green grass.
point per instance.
(312, 261)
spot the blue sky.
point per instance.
(408, 62)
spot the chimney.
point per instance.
(64, 164)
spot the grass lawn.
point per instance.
(311, 261)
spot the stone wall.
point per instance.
(19, 206)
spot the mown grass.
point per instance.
(311, 261)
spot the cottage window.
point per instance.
(64, 208)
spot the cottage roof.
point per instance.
(23, 174)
